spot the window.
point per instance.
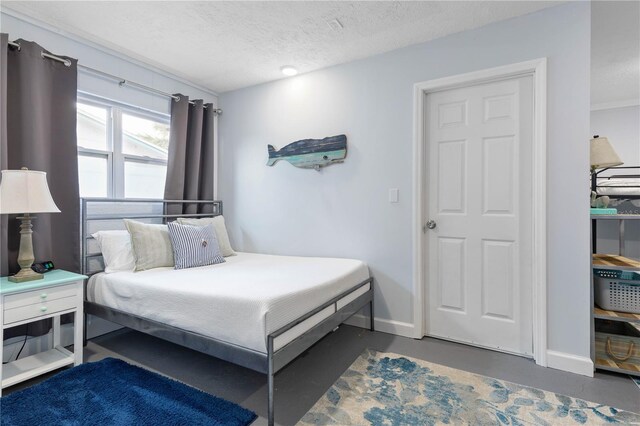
(122, 151)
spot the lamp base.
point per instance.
(25, 275)
(25, 254)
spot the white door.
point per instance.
(479, 171)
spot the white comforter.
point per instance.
(240, 301)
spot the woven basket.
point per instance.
(618, 342)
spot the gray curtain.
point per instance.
(4, 220)
(40, 127)
(190, 163)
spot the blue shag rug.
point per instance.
(112, 392)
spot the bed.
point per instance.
(255, 310)
(622, 185)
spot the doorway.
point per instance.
(480, 186)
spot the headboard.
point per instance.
(101, 214)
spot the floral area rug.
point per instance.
(389, 389)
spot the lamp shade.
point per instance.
(25, 191)
(603, 154)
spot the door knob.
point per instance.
(429, 225)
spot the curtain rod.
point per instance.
(121, 81)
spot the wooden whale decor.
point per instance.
(311, 153)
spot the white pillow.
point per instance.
(116, 250)
(218, 225)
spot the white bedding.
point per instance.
(619, 187)
(240, 301)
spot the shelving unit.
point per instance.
(614, 261)
(617, 262)
(615, 316)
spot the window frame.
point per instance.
(116, 158)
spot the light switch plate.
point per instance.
(393, 195)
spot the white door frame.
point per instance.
(538, 69)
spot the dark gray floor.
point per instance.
(305, 380)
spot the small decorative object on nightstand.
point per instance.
(58, 293)
(23, 192)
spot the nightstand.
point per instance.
(58, 293)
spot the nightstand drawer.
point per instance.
(13, 301)
(39, 309)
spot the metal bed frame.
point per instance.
(596, 178)
(268, 363)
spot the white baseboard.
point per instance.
(569, 362)
(404, 329)
(97, 326)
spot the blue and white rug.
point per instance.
(390, 389)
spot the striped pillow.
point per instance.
(218, 225)
(194, 245)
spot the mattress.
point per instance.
(239, 302)
(624, 193)
(619, 187)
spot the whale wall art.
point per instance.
(311, 153)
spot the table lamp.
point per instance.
(602, 156)
(24, 192)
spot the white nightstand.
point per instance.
(59, 292)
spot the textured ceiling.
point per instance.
(229, 45)
(615, 52)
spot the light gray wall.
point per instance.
(622, 127)
(103, 59)
(343, 211)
